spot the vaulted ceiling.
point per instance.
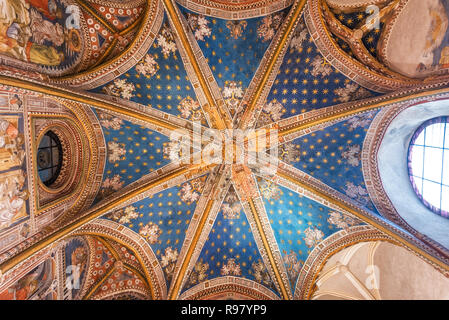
(156, 228)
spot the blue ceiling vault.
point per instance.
(299, 224)
(162, 219)
(230, 249)
(306, 81)
(132, 152)
(333, 155)
(159, 80)
(233, 48)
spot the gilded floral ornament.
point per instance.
(268, 26)
(270, 191)
(231, 268)
(233, 94)
(361, 121)
(313, 236)
(199, 25)
(352, 155)
(109, 121)
(341, 220)
(357, 193)
(293, 264)
(124, 215)
(148, 66)
(168, 261)
(231, 206)
(351, 92)
(271, 112)
(190, 109)
(299, 36)
(289, 152)
(199, 273)
(236, 28)
(320, 67)
(110, 185)
(260, 274)
(150, 232)
(166, 41)
(116, 151)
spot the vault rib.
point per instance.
(302, 183)
(203, 219)
(263, 233)
(272, 65)
(213, 107)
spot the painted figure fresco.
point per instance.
(13, 185)
(420, 49)
(76, 260)
(35, 31)
(13, 196)
(38, 284)
(12, 152)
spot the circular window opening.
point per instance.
(428, 164)
(49, 158)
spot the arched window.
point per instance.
(428, 164)
(49, 158)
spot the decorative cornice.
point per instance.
(235, 10)
(103, 73)
(138, 245)
(229, 287)
(338, 241)
(219, 117)
(271, 66)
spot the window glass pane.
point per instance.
(431, 193)
(45, 175)
(445, 199)
(435, 135)
(446, 168)
(446, 139)
(420, 139)
(418, 184)
(45, 142)
(433, 162)
(417, 155)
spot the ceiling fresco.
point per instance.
(233, 49)
(299, 224)
(162, 220)
(230, 249)
(333, 155)
(132, 152)
(150, 225)
(159, 80)
(307, 82)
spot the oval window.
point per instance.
(428, 164)
(49, 158)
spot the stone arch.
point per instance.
(229, 288)
(137, 244)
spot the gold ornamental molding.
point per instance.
(101, 73)
(287, 30)
(311, 188)
(219, 116)
(94, 213)
(89, 100)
